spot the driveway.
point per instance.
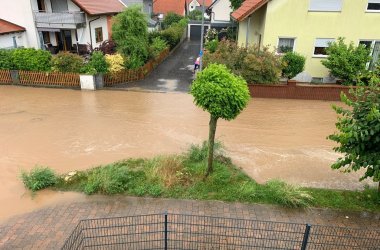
(173, 75)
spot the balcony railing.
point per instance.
(54, 18)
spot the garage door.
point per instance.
(195, 32)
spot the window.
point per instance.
(374, 48)
(373, 5)
(320, 46)
(98, 34)
(367, 44)
(46, 37)
(285, 45)
(325, 5)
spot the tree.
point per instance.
(236, 4)
(222, 94)
(195, 15)
(358, 133)
(346, 62)
(130, 32)
(294, 64)
(170, 19)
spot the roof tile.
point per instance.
(97, 7)
(247, 8)
(8, 27)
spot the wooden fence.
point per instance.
(5, 77)
(129, 75)
(49, 79)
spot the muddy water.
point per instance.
(69, 130)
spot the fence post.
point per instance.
(15, 76)
(305, 237)
(166, 230)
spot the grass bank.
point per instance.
(182, 176)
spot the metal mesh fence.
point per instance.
(179, 231)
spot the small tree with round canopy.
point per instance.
(222, 94)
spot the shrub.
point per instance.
(198, 153)
(6, 59)
(31, 59)
(115, 62)
(98, 62)
(253, 64)
(195, 15)
(39, 178)
(211, 34)
(287, 195)
(172, 35)
(130, 32)
(152, 35)
(346, 62)
(294, 64)
(157, 46)
(108, 47)
(170, 19)
(67, 62)
(211, 46)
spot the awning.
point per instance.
(48, 29)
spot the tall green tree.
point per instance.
(222, 94)
(130, 33)
(358, 133)
(236, 4)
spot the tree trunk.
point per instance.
(211, 139)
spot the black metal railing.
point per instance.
(180, 231)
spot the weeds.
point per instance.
(39, 178)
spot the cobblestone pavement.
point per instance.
(48, 228)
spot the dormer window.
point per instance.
(326, 5)
(373, 5)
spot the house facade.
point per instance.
(221, 11)
(62, 24)
(307, 27)
(11, 35)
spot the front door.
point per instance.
(64, 40)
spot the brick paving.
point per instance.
(48, 228)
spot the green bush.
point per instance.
(195, 15)
(39, 178)
(157, 46)
(6, 59)
(253, 64)
(152, 35)
(67, 62)
(31, 59)
(170, 19)
(198, 153)
(172, 35)
(346, 62)
(130, 33)
(98, 62)
(294, 64)
(211, 46)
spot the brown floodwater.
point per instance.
(72, 130)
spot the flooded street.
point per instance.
(72, 130)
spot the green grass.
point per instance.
(39, 178)
(182, 177)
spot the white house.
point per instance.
(11, 35)
(62, 24)
(220, 11)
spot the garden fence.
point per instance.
(179, 231)
(5, 77)
(129, 75)
(49, 79)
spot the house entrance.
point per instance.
(64, 40)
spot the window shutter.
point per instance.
(326, 5)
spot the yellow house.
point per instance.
(307, 26)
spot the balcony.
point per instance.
(59, 20)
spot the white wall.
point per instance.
(84, 33)
(6, 41)
(192, 5)
(222, 10)
(20, 13)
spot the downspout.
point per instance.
(89, 26)
(247, 32)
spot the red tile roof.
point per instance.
(165, 6)
(8, 27)
(97, 7)
(247, 8)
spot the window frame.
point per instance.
(101, 34)
(286, 37)
(318, 10)
(321, 55)
(369, 10)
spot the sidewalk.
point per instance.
(48, 228)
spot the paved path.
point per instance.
(48, 228)
(173, 75)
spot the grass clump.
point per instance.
(182, 177)
(39, 178)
